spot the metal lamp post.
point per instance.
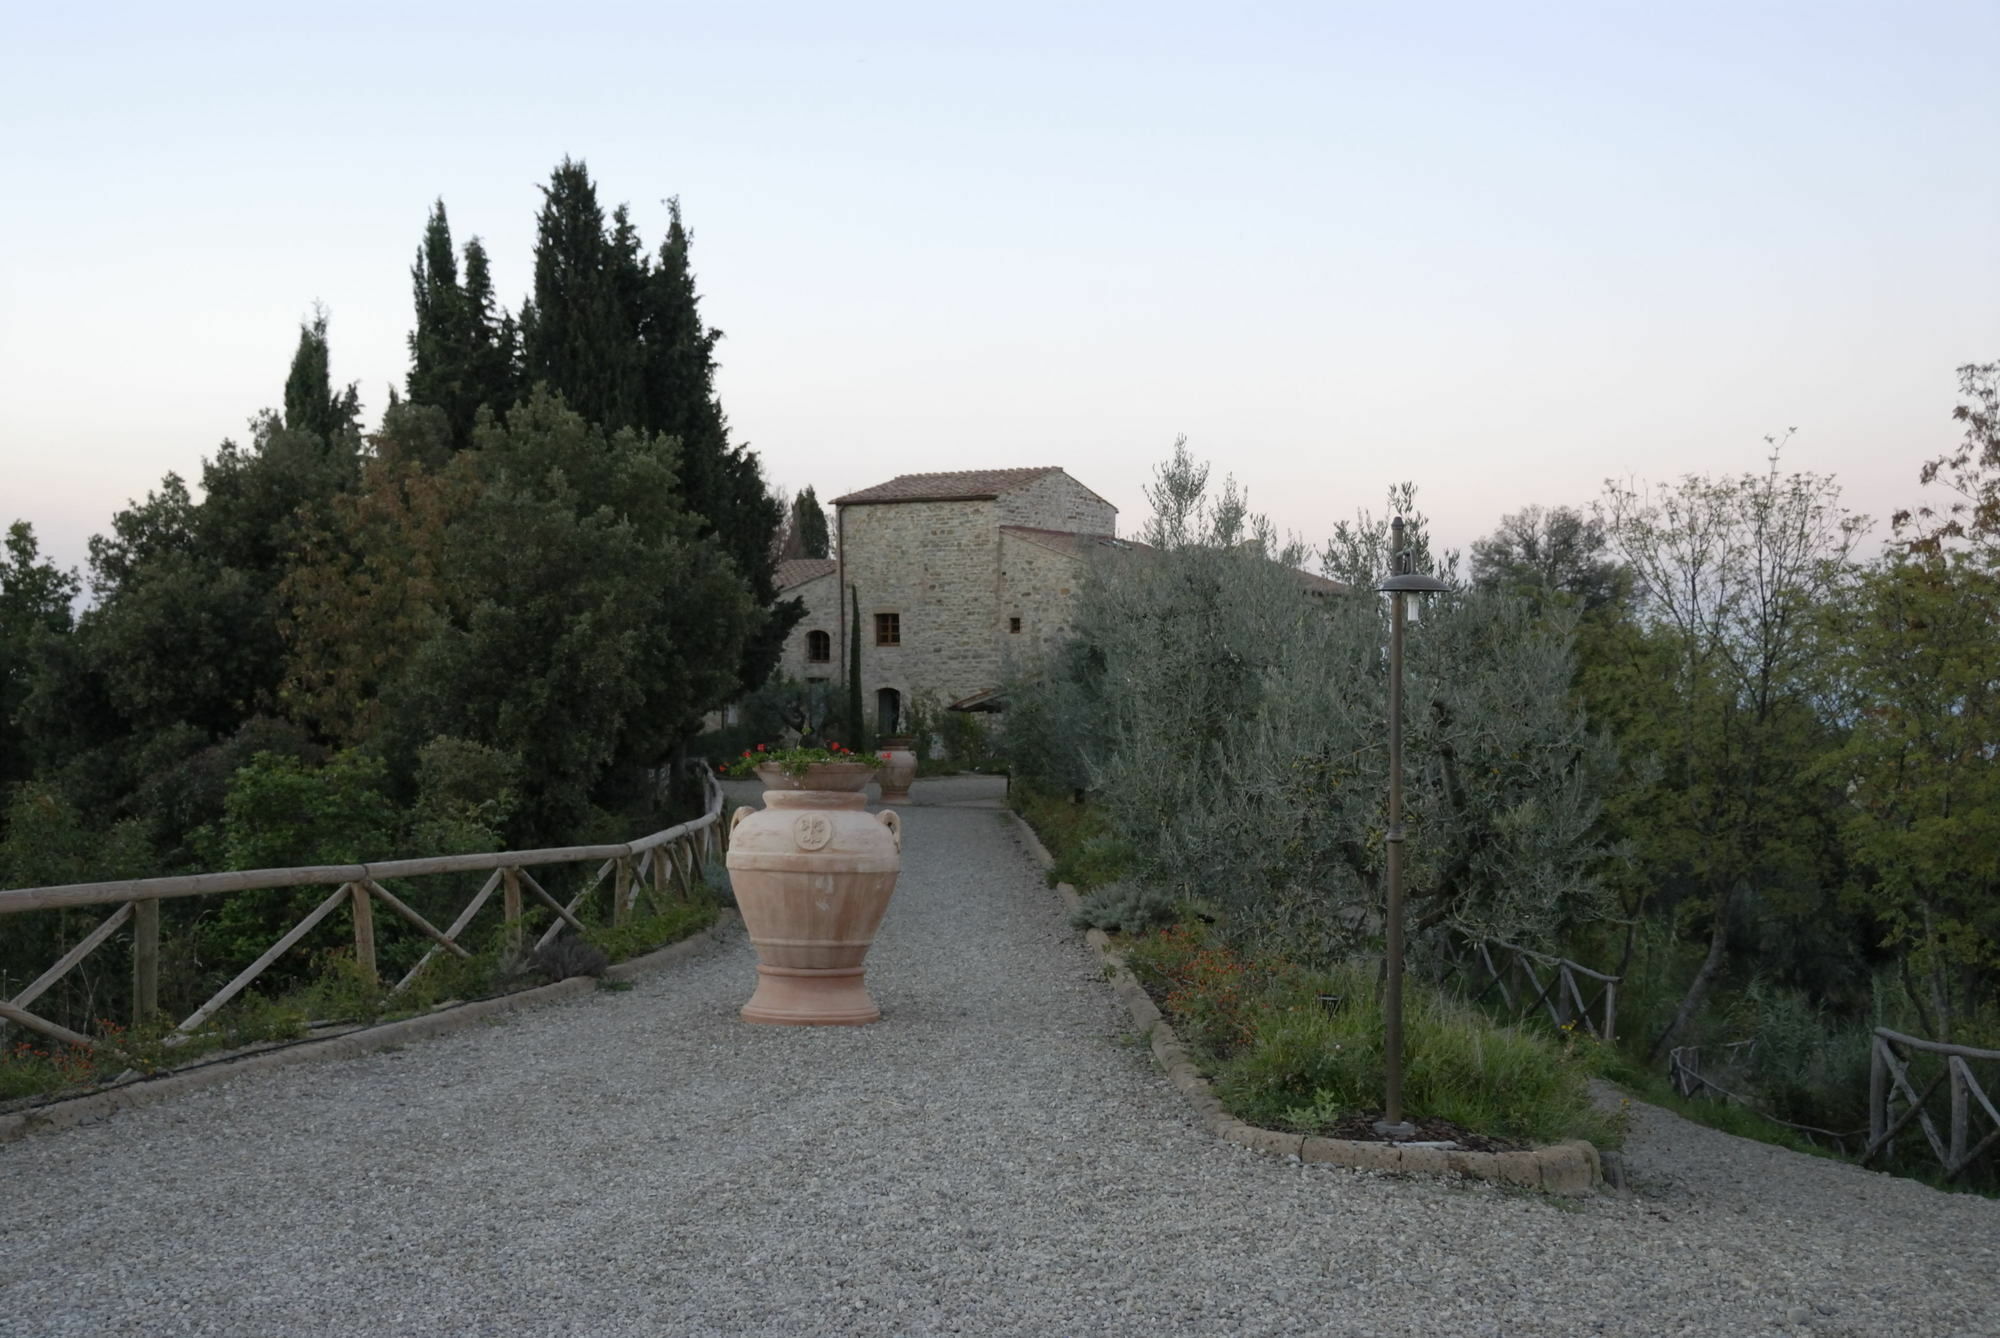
(1401, 583)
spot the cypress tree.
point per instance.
(462, 353)
(724, 484)
(857, 723)
(807, 535)
(311, 407)
(493, 353)
(437, 344)
(575, 332)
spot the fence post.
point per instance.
(1959, 1074)
(1878, 1092)
(364, 931)
(510, 906)
(145, 961)
(620, 888)
(1610, 1011)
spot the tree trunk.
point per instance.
(1697, 990)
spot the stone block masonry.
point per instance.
(955, 583)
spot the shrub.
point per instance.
(569, 956)
(1298, 1049)
(644, 933)
(1125, 908)
(1087, 853)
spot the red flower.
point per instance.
(760, 748)
(746, 752)
(886, 757)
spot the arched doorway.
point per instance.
(888, 711)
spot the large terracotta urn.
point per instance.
(899, 768)
(812, 872)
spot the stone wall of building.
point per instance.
(933, 565)
(1057, 502)
(1039, 585)
(822, 600)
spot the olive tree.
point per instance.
(1228, 710)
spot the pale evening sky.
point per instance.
(1503, 250)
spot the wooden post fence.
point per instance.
(357, 887)
(1890, 1085)
(1527, 983)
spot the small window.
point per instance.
(1013, 624)
(888, 629)
(819, 647)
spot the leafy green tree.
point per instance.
(181, 651)
(35, 602)
(46, 841)
(466, 795)
(580, 623)
(1917, 648)
(367, 585)
(1970, 471)
(281, 812)
(1721, 687)
(1547, 553)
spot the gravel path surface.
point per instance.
(995, 1157)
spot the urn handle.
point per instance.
(737, 817)
(893, 820)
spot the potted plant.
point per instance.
(812, 872)
(899, 768)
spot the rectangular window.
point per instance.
(888, 629)
(1013, 624)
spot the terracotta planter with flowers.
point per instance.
(899, 768)
(813, 872)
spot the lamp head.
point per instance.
(1403, 581)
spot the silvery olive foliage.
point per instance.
(1229, 713)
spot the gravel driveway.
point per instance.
(995, 1157)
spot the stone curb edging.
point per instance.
(93, 1106)
(1571, 1169)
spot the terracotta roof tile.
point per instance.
(797, 571)
(961, 485)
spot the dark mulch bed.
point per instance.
(1361, 1128)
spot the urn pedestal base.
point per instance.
(796, 996)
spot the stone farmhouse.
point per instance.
(963, 579)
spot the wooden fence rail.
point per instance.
(1528, 983)
(1890, 1086)
(1684, 1072)
(671, 859)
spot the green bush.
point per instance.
(1297, 1049)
